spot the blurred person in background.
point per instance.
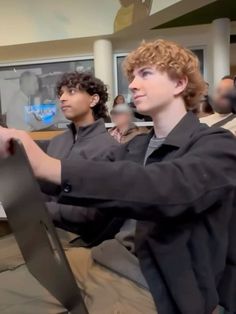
(223, 115)
(124, 129)
(204, 108)
(29, 86)
(119, 99)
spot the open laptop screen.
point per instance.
(34, 231)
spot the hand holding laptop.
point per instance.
(5, 137)
(44, 166)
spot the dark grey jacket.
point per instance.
(184, 200)
(90, 142)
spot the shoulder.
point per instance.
(214, 142)
(138, 141)
(59, 138)
(105, 146)
(142, 130)
(211, 131)
(104, 139)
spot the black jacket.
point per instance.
(90, 142)
(184, 200)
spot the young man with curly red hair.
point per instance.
(174, 188)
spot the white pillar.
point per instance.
(103, 65)
(220, 48)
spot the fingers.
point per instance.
(4, 142)
(6, 135)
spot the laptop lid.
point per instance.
(34, 231)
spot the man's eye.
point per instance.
(145, 73)
(72, 91)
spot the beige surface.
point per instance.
(104, 291)
(44, 135)
(20, 293)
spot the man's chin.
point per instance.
(69, 118)
(143, 111)
(223, 110)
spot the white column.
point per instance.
(220, 48)
(103, 65)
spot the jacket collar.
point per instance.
(91, 130)
(179, 136)
(183, 131)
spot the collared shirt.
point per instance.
(154, 144)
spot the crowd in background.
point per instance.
(124, 114)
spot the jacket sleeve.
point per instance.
(69, 214)
(187, 185)
(227, 286)
(88, 223)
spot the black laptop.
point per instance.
(34, 231)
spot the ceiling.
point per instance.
(204, 15)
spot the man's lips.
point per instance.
(136, 97)
(65, 108)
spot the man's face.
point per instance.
(220, 103)
(29, 85)
(74, 103)
(152, 90)
(122, 119)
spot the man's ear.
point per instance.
(180, 85)
(94, 100)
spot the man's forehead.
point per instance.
(65, 87)
(226, 83)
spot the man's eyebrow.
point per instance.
(144, 69)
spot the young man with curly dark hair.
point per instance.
(83, 100)
(83, 97)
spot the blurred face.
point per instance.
(120, 100)
(221, 104)
(76, 104)
(29, 85)
(153, 90)
(122, 120)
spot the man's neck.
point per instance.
(166, 119)
(83, 121)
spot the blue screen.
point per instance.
(43, 113)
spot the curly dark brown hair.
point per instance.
(86, 82)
